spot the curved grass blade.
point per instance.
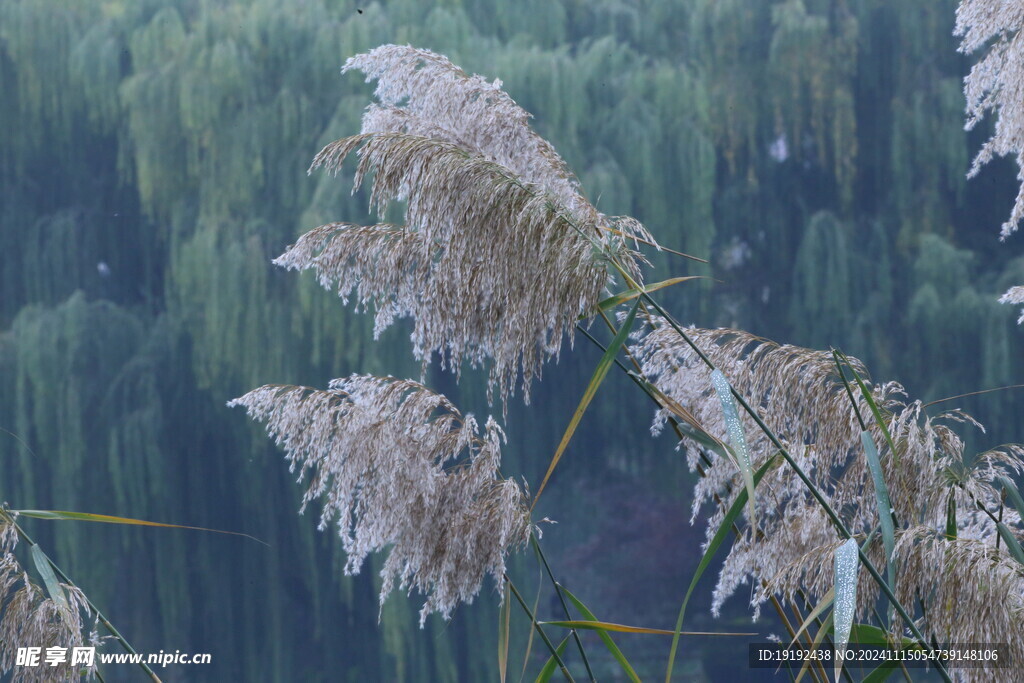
(561, 600)
(716, 541)
(549, 667)
(847, 562)
(1012, 544)
(641, 630)
(736, 437)
(588, 395)
(1012, 493)
(42, 563)
(630, 294)
(689, 424)
(951, 527)
(110, 519)
(871, 404)
(536, 625)
(504, 616)
(884, 505)
(823, 604)
(826, 628)
(605, 638)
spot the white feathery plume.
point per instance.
(423, 93)
(499, 254)
(799, 394)
(1014, 295)
(996, 84)
(397, 465)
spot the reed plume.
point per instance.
(996, 84)
(801, 396)
(499, 253)
(31, 619)
(497, 257)
(398, 466)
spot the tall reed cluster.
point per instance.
(969, 587)
(498, 257)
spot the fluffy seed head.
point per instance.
(398, 466)
(799, 395)
(499, 253)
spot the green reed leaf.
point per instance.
(736, 437)
(42, 563)
(552, 664)
(600, 372)
(716, 541)
(884, 505)
(627, 668)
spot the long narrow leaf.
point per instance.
(536, 604)
(630, 294)
(871, 404)
(627, 668)
(1012, 544)
(847, 562)
(716, 541)
(623, 628)
(110, 519)
(1012, 493)
(588, 395)
(537, 626)
(826, 628)
(42, 563)
(884, 505)
(689, 425)
(504, 616)
(951, 526)
(549, 667)
(736, 437)
(823, 604)
(561, 600)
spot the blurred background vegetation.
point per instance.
(153, 160)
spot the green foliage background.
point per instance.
(812, 149)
